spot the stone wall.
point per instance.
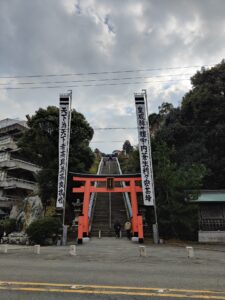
(211, 236)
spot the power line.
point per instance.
(106, 142)
(114, 128)
(94, 80)
(90, 85)
(103, 73)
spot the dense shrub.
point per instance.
(8, 226)
(41, 230)
(1, 230)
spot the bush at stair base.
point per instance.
(44, 231)
(7, 226)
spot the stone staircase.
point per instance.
(101, 219)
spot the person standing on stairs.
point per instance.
(117, 228)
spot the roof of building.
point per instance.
(209, 196)
(8, 122)
(12, 127)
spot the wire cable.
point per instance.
(94, 80)
(90, 85)
(114, 128)
(105, 72)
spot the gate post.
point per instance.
(140, 230)
(86, 207)
(134, 205)
(80, 230)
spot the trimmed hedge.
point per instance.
(41, 230)
(8, 226)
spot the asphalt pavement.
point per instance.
(110, 268)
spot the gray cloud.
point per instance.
(71, 36)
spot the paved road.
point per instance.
(112, 269)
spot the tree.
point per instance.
(165, 108)
(130, 164)
(127, 148)
(97, 153)
(197, 128)
(176, 217)
(40, 145)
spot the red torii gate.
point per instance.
(88, 188)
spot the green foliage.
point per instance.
(39, 144)
(130, 164)
(188, 145)
(41, 230)
(176, 217)
(8, 226)
(127, 147)
(94, 167)
(197, 129)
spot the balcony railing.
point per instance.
(25, 162)
(19, 164)
(20, 180)
(9, 198)
(5, 140)
(13, 182)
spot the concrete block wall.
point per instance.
(211, 236)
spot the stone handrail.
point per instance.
(25, 162)
(20, 180)
(5, 140)
(8, 198)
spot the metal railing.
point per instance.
(125, 195)
(212, 224)
(93, 198)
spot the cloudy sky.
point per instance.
(160, 42)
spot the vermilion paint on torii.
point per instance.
(88, 188)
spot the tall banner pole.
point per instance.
(146, 156)
(155, 226)
(64, 143)
(68, 152)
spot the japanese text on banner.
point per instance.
(63, 151)
(145, 153)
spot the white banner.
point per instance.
(144, 150)
(64, 136)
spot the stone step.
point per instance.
(101, 212)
